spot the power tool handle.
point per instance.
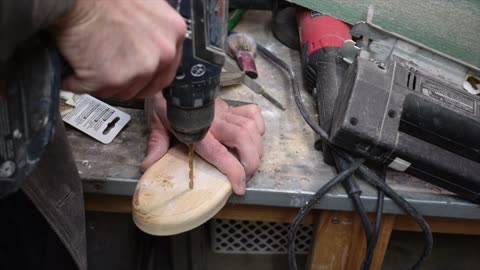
(438, 166)
(30, 110)
(321, 37)
(330, 72)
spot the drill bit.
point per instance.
(190, 164)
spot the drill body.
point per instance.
(191, 97)
(27, 117)
(29, 94)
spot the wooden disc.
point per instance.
(163, 203)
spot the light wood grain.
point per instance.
(108, 203)
(262, 213)
(440, 225)
(358, 244)
(123, 204)
(331, 243)
(163, 203)
(388, 221)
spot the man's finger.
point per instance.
(162, 78)
(253, 112)
(134, 88)
(158, 144)
(251, 128)
(215, 153)
(74, 84)
(238, 138)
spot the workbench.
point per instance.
(290, 172)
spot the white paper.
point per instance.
(96, 118)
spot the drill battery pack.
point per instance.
(29, 94)
(406, 107)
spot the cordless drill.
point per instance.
(27, 117)
(190, 98)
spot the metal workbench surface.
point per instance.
(291, 169)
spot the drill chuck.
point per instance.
(190, 125)
(191, 108)
(191, 104)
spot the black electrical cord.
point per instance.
(369, 176)
(296, 91)
(323, 136)
(297, 221)
(354, 192)
(322, 133)
(376, 181)
(362, 212)
(376, 231)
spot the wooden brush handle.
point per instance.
(163, 204)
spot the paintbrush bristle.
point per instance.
(242, 47)
(240, 42)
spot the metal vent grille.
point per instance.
(256, 237)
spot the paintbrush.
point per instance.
(243, 48)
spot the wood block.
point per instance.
(332, 241)
(358, 244)
(262, 213)
(440, 225)
(383, 239)
(163, 203)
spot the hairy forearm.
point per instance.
(20, 19)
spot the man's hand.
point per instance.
(121, 48)
(239, 128)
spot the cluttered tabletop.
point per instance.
(291, 170)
